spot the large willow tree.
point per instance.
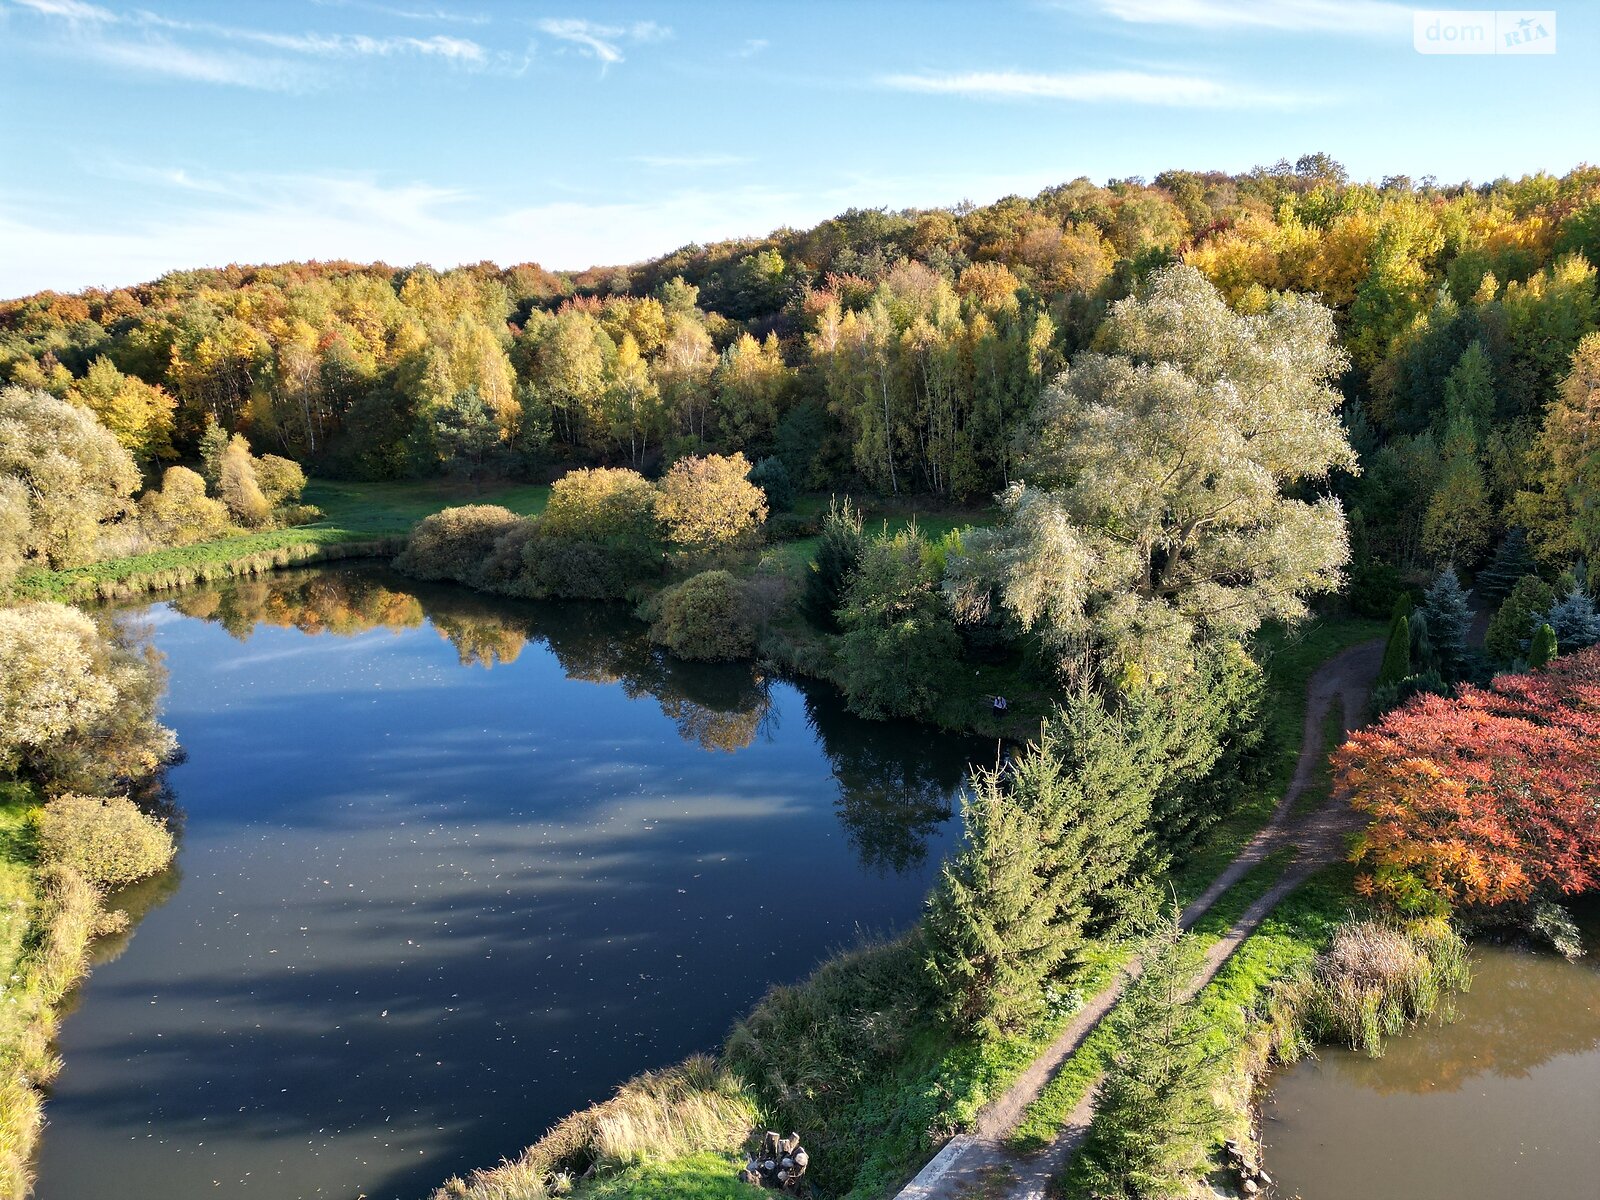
(1164, 494)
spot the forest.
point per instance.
(1130, 437)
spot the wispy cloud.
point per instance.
(208, 52)
(1091, 87)
(408, 14)
(1357, 17)
(598, 41)
(751, 47)
(710, 159)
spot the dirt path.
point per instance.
(979, 1164)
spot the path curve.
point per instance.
(979, 1164)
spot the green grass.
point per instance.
(1321, 785)
(17, 803)
(706, 1176)
(353, 513)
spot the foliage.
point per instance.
(77, 705)
(1155, 1117)
(107, 840)
(612, 506)
(772, 477)
(455, 543)
(1574, 621)
(1512, 563)
(1396, 663)
(1156, 514)
(62, 474)
(1513, 625)
(1559, 501)
(899, 639)
(838, 556)
(708, 502)
(1542, 648)
(705, 617)
(1486, 798)
(180, 512)
(237, 486)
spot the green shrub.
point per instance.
(569, 569)
(1374, 588)
(705, 617)
(1514, 624)
(791, 527)
(838, 555)
(605, 504)
(772, 477)
(107, 840)
(455, 543)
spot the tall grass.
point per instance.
(65, 915)
(1377, 978)
(657, 1118)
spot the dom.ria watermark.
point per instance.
(1484, 31)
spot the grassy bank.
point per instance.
(47, 919)
(359, 519)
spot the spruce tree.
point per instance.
(838, 555)
(1574, 621)
(992, 921)
(1542, 648)
(1155, 1119)
(1511, 563)
(1449, 619)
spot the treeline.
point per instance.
(899, 350)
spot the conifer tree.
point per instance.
(1543, 647)
(1155, 1118)
(1449, 620)
(838, 556)
(1511, 562)
(1574, 621)
(1515, 622)
(1397, 653)
(993, 921)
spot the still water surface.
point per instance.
(423, 908)
(1503, 1102)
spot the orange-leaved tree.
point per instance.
(1488, 797)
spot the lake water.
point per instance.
(452, 867)
(1504, 1101)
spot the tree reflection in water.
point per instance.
(895, 781)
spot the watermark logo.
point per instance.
(1484, 31)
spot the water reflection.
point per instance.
(1503, 1101)
(426, 910)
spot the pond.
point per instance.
(452, 867)
(1504, 1101)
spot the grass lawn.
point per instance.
(706, 1176)
(352, 512)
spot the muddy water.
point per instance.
(1504, 1102)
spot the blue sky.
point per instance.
(139, 138)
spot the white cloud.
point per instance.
(1126, 87)
(203, 51)
(602, 42)
(1361, 17)
(751, 48)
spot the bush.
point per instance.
(708, 502)
(281, 480)
(1374, 588)
(602, 504)
(1376, 978)
(455, 543)
(838, 556)
(181, 512)
(107, 840)
(705, 617)
(238, 487)
(772, 477)
(791, 527)
(569, 569)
